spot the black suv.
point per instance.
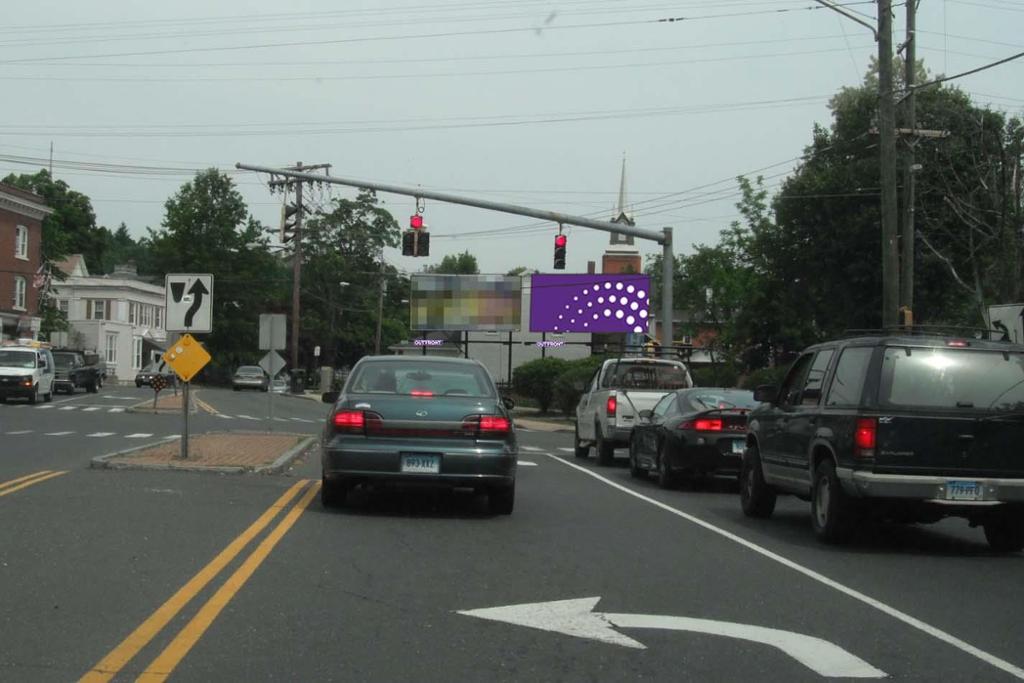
(907, 427)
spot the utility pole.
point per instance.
(887, 144)
(380, 311)
(297, 251)
(908, 237)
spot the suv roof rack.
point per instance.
(932, 331)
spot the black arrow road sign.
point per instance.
(198, 290)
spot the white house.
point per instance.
(119, 316)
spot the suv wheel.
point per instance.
(635, 470)
(833, 513)
(1005, 533)
(581, 449)
(756, 497)
(605, 450)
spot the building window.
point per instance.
(62, 306)
(19, 293)
(159, 317)
(21, 242)
(111, 348)
(133, 313)
(97, 309)
(136, 353)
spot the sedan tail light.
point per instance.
(487, 426)
(865, 436)
(349, 421)
(703, 424)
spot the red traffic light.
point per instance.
(416, 221)
(560, 240)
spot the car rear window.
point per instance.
(723, 400)
(427, 377)
(952, 378)
(627, 375)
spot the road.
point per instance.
(204, 577)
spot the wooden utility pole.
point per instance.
(887, 154)
(908, 237)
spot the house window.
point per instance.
(97, 309)
(21, 242)
(62, 306)
(136, 353)
(133, 313)
(159, 316)
(19, 293)
(111, 348)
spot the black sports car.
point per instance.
(691, 433)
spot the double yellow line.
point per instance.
(164, 664)
(20, 483)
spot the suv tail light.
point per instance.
(611, 406)
(865, 436)
(487, 426)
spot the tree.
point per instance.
(207, 229)
(456, 264)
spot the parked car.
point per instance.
(691, 433)
(26, 371)
(913, 428)
(419, 420)
(145, 376)
(618, 391)
(76, 369)
(250, 377)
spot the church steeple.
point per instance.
(621, 215)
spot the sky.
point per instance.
(529, 102)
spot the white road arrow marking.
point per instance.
(577, 618)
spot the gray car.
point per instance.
(250, 377)
(419, 420)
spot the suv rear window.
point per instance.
(628, 375)
(952, 378)
(437, 378)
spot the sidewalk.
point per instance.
(221, 452)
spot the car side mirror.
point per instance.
(508, 402)
(766, 393)
(330, 396)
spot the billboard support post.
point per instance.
(667, 275)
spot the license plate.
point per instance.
(421, 464)
(738, 447)
(964, 490)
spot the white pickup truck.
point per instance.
(614, 397)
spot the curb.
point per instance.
(101, 462)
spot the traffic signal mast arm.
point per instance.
(664, 238)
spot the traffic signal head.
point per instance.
(409, 243)
(560, 243)
(415, 243)
(289, 216)
(416, 221)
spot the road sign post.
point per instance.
(272, 338)
(186, 357)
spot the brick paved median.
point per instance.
(234, 450)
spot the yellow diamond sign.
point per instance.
(186, 357)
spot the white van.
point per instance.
(26, 370)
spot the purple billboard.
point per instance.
(589, 303)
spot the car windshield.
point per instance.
(633, 375)
(64, 360)
(421, 377)
(723, 400)
(17, 359)
(952, 378)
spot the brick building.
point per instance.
(21, 236)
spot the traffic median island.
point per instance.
(220, 452)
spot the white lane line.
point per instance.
(68, 408)
(566, 450)
(249, 417)
(171, 436)
(225, 417)
(532, 449)
(58, 433)
(20, 431)
(528, 463)
(913, 622)
(45, 407)
(115, 410)
(302, 419)
(97, 435)
(90, 409)
(140, 435)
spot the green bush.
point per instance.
(718, 375)
(570, 384)
(536, 380)
(765, 376)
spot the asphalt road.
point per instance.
(203, 577)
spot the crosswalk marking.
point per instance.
(116, 410)
(68, 407)
(527, 463)
(100, 434)
(249, 417)
(20, 431)
(566, 450)
(45, 407)
(90, 409)
(58, 433)
(531, 448)
(140, 435)
(225, 417)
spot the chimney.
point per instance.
(591, 267)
